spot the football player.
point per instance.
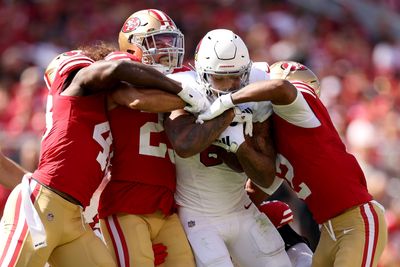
(315, 163)
(137, 207)
(218, 217)
(43, 215)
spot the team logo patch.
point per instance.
(191, 224)
(50, 216)
(131, 24)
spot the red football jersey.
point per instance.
(4, 193)
(76, 146)
(315, 163)
(143, 170)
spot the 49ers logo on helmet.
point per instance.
(293, 67)
(131, 24)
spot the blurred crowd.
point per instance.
(357, 58)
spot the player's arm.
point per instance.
(256, 195)
(105, 75)
(279, 92)
(150, 100)
(257, 155)
(188, 137)
(10, 172)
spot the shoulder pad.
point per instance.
(73, 63)
(259, 72)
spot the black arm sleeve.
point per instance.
(290, 237)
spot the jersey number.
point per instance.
(285, 170)
(146, 148)
(209, 157)
(103, 156)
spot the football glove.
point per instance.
(244, 114)
(231, 138)
(222, 103)
(192, 94)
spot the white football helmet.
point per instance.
(294, 71)
(222, 52)
(156, 35)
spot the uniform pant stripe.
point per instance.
(118, 239)
(376, 234)
(35, 188)
(370, 222)
(16, 237)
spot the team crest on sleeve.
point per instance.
(131, 24)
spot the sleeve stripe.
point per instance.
(74, 62)
(304, 88)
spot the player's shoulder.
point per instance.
(182, 69)
(259, 72)
(183, 75)
(73, 63)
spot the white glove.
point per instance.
(300, 255)
(244, 114)
(192, 94)
(231, 138)
(221, 104)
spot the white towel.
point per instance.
(35, 225)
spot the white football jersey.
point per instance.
(204, 183)
(214, 190)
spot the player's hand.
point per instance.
(221, 104)
(277, 211)
(193, 95)
(160, 253)
(244, 114)
(231, 138)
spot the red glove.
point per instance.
(277, 211)
(119, 55)
(160, 253)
